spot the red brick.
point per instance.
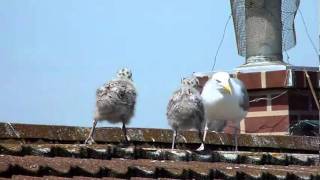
(312, 102)
(308, 117)
(314, 79)
(279, 103)
(259, 105)
(203, 80)
(267, 124)
(276, 79)
(251, 80)
(298, 101)
(230, 127)
(299, 79)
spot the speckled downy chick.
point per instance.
(185, 110)
(115, 102)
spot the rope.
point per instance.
(316, 101)
(284, 92)
(221, 41)
(312, 90)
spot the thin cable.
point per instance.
(221, 41)
(318, 54)
(260, 99)
(315, 100)
(308, 34)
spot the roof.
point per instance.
(39, 151)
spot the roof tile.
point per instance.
(122, 168)
(43, 154)
(159, 138)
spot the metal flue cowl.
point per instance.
(264, 29)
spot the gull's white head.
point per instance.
(222, 79)
(124, 73)
(190, 82)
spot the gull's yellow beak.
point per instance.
(227, 88)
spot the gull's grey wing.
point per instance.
(242, 92)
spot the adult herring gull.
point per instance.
(224, 98)
(115, 102)
(185, 110)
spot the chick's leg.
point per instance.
(90, 139)
(174, 135)
(124, 130)
(201, 148)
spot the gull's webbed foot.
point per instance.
(201, 148)
(89, 140)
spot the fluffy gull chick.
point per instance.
(115, 102)
(185, 110)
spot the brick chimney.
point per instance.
(279, 93)
(278, 99)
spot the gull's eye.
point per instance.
(218, 81)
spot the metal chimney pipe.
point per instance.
(263, 32)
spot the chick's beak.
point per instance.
(227, 88)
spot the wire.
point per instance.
(308, 34)
(315, 98)
(284, 92)
(318, 55)
(260, 99)
(221, 41)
